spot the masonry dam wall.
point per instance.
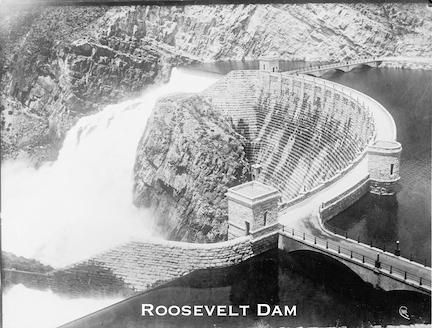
(302, 133)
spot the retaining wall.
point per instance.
(139, 265)
(342, 201)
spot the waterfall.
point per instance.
(82, 203)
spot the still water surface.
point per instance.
(407, 95)
(324, 293)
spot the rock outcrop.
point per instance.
(60, 63)
(298, 31)
(57, 67)
(187, 158)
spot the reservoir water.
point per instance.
(324, 292)
(406, 217)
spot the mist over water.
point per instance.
(82, 203)
(25, 308)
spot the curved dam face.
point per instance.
(302, 133)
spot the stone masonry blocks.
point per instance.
(139, 265)
(383, 165)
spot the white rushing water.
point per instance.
(27, 308)
(82, 202)
(79, 204)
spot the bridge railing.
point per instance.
(376, 263)
(346, 235)
(339, 64)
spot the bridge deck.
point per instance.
(339, 65)
(411, 274)
(348, 65)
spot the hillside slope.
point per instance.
(60, 63)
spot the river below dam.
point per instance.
(316, 291)
(324, 292)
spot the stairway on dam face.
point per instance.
(309, 135)
(300, 133)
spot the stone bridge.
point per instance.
(344, 66)
(381, 269)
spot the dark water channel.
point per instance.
(406, 217)
(324, 292)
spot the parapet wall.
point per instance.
(139, 265)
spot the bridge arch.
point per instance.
(345, 66)
(349, 271)
(340, 69)
(325, 262)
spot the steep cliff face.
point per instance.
(297, 31)
(58, 66)
(187, 158)
(60, 63)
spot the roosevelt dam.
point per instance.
(315, 148)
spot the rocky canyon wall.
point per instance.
(297, 31)
(187, 158)
(60, 63)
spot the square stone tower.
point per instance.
(383, 166)
(269, 62)
(252, 208)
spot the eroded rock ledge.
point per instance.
(187, 158)
(58, 64)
